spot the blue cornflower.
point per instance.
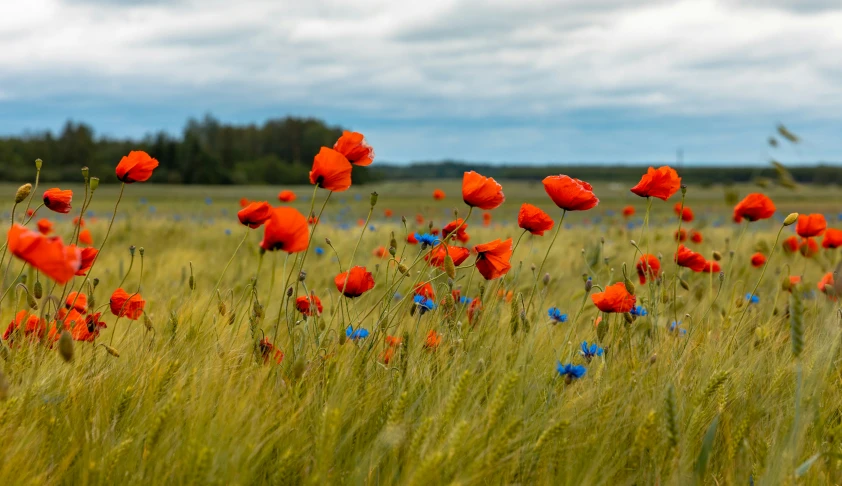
(142, 200)
(319, 250)
(424, 303)
(344, 226)
(556, 315)
(639, 311)
(151, 209)
(465, 300)
(371, 227)
(358, 197)
(89, 214)
(630, 225)
(397, 296)
(679, 330)
(752, 299)
(426, 239)
(208, 201)
(228, 232)
(590, 351)
(570, 371)
(356, 334)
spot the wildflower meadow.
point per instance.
(467, 332)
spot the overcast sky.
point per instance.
(502, 80)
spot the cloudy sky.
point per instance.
(503, 81)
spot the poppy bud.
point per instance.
(449, 267)
(792, 218)
(403, 219)
(65, 346)
(602, 240)
(373, 198)
(629, 286)
(232, 317)
(327, 241)
(588, 285)
(402, 268)
(683, 189)
(546, 279)
(94, 183)
(23, 193)
(684, 284)
(393, 251)
(38, 163)
(96, 282)
(628, 317)
(533, 267)
(191, 283)
(392, 241)
(31, 301)
(717, 256)
(257, 310)
(343, 338)
(220, 306)
(38, 289)
(140, 250)
(289, 292)
(721, 276)
(653, 358)
(132, 250)
(633, 243)
(85, 173)
(111, 351)
(302, 275)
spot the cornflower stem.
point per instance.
(541, 268)
(219, 280)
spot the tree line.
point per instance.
(281, 151)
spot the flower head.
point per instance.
(685, 213)
(45, 226)
(638, 311)
(481, 192)
(309, 305)
(286, 196)
(589, 352)
(752, 299)
(810, 225)
(790, 245)
(331, 170)
(255, 214)
(758, 259)
(556, 315)
(424, 304)
(648, 265)
(124, 305)
(355, 334)
(136, 167)
(570, 371)
(57, 200)
(662, 183)
(615, 298)
(533, 219)
(832, 238)
(628, 211)
(426, 239)
(493, 258)
(570, 194)
(286, 230)
(459, 227)
(754, 207)
(46, 254)
(355, 148)
(433, 340)
(438, 255)
(688, 258)
(438, 194)
(354, 283)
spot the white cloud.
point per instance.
(466, 59)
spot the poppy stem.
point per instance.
(6, 246)
(541, 268)
(354, 254)
(675, 260)
(313, 230)
(219, 281)
(762, 273)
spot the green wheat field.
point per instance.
(734, 393)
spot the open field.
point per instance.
(725, 396)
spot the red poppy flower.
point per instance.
(255, 214)
(757, 260)
(419, 218)
(47, 254)
(77, 221)
(77, 301)
(570, 194)
(532, 219)
(826, 285)
(808, 247)
(481, 192)
(359, 282)
(832, 238)
(307, 305)
(136, 167)
(388, 213)
(433, 340)
(791, 282)
(648, 265)
(493, 258)
(662, 183)
(286, 230)
(88, 256)
(268, 351)
(790, 245)
(452, 226)
(312, 220)
(286, 196)
(88, 329)
(754, 207)
(690, 259)
(331, 170)
(387, 355)
(354, 147)
(486, 219)
(457, 253)
(615, 298)
(628, 211)
(393, 341)
(126, 305)
(85, 237)
(57, 200)
(438, 194)
(686, 213)
(695, 236)
(31, 324)
(474, 309)
(379, 252)
(244, 202)
(712, 267)
(411, 239)
(425, 290)
(810, 225)
(680, 235)
(45, 227)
